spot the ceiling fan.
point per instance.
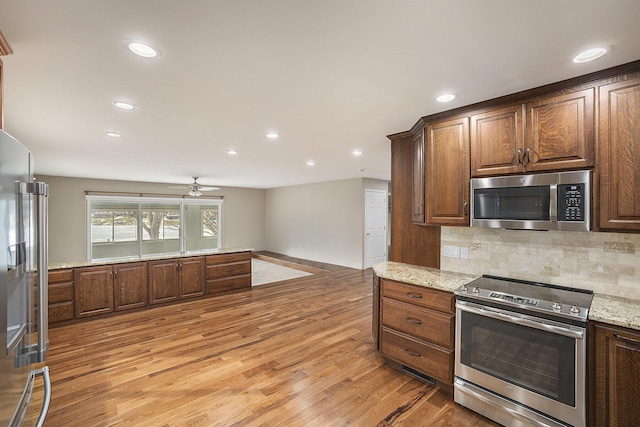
(195, 189)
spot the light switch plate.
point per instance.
(451, 251)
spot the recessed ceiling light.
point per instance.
(143, 49)
(113, 134)
(272, 135)
(590, 55)
(357, 152)
(311, 163)
(232, 152)
(446, 97)
(123, 105)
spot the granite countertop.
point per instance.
(617, 311)
(422, 276)
(89, 263)
(609, 309)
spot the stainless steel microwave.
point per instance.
(548, 201)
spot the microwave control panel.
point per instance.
(571, 202)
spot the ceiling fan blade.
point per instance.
(208, 188)
(179, 187)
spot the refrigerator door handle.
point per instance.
(41, 192)
(37, 353)
(44, 372)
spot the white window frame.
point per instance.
(89, 199)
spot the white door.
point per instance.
(375, 224)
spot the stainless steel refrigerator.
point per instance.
(23, 287)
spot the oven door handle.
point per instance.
(500, 315)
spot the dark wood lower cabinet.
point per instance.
(228, 272)
(163, 281)
(416, 328)
(61, 295)
(175, 279)
(615, 373)
(94, 290)
(192, 277)
(76, 293)
(130, 285)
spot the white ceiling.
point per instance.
(330, 76)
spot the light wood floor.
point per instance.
(294, 353)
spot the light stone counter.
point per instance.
(422, 276)
(89, 263)
(617, 311)
(613, 310)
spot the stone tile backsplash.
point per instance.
(607, 263)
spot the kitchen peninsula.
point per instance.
(81, 289)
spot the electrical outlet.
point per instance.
(451, 251)
(464, 252)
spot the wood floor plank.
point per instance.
(295, 353)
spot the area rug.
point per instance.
(263, 272)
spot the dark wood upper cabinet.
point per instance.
(560, 132)
(447, 172)
(619, 155)
(417, 214)
(555, 132)
(496, 137)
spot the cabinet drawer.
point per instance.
(223, 285)
(419, 295)
(60, 312)
(226, 270)
(59, 276)
(429, 325)
(60, 292)
(429, 359)
(227, 258)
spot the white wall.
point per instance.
(322, 222)
(243, 213)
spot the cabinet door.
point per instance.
(192, 279)
(163, 281)
(417, 214)
(617, 376)
(497, 141)
(93, 290)
(560, 132)
(619, 155)
(447, 172)
(130, 285)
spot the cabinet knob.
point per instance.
(528, 155)
(519, 156)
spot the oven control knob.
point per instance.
(557, 306)
(475, 290)
(574, 309)
(464, 288)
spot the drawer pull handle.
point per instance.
(412, 295)
(411, 353)
(623, 338)
(414, 321)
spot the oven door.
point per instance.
(527, 361)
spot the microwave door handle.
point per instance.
(553, 203)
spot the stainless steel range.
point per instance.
(521, 351)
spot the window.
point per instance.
(141, 226)
(209, 220)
